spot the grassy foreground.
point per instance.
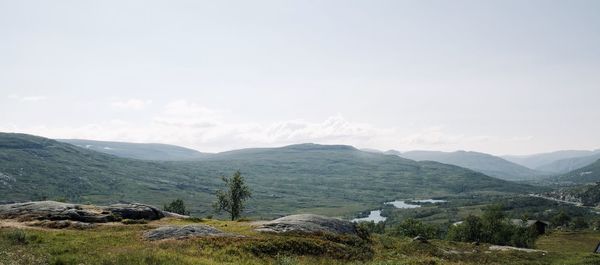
(123, 244)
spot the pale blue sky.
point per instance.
(494, 76)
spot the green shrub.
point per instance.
(579, 223)
(176, 206)
(195, 219)
(60, 261)
(492, 228)
(17, 237)
(345, 248)
(363, 232)
(411, 228)
(561, 219)
(470, 230)
(371, 227)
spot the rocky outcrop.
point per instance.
(507, 248)
(51, 210)
(308, 223)
(60, 224)
(136, 211)
(183, 232)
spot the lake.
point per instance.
(403, 205)
(376, 217)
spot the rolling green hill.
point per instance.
(488, 164)
(332, 180)
(35, 168)
(144, 151)
(587, 174)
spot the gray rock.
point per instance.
(176, 215)
(136, 211)
(38, 210)
(60, 224)
(51, 210)
(420, 239)
(308, 223)
(182, 232)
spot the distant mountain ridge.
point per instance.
(522, 167)
(485, 163)
(538, 160)
(557, 162)
(333, 180)
(143, 151)
(570, 164)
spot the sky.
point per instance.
(502, 77)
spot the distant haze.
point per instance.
(501, 77)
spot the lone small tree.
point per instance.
(176, 206)
(232, 199)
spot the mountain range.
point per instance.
(488, 164)
(506, 167)
(558, 162)
(329, 179)
(144, 151)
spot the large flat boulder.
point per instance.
(308, 223)
(52, 210)
(136, 211)
(183, 232)
(33, 209)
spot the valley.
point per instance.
(378, 192)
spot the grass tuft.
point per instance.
(16, 236)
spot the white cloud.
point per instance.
(189, 115)
(431, 136)
(26, 98)
(193, 125)
(131, 104)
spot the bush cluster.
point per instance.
(346, 248)
(494, 228)
(177, 206)
(412, 228)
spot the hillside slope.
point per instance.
(566, 165)
(556, 162)
(587, 174)
(144, 151)
(333, 180)
(488, 164)
(35, 168)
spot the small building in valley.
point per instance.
(538, 225)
